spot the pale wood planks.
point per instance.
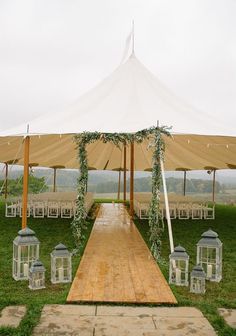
(117, 265)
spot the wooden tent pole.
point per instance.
(6, 180)
(25, 181)
(54, 179)
(118, 194)
(124, 173)
(185, 173)
(132, 179)
(213, 186)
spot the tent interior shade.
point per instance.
(183, 152)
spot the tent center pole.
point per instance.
(167, 208)
(132, 179)
(25, 181)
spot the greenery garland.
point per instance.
(83, 139)
(156, 224)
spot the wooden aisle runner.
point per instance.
(117, 265)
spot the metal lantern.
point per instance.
(60, 265)
(198, 280)
(209, 255)
(37, 275)
(25, 252)
(178, 270)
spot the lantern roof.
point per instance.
(198, 272)
(26, 232)
(26, 236)
(209, 238)
(179, 252)
(37, 266)
(60, 247)
(60, 251)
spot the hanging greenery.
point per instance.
(118, 139)
(156, 224)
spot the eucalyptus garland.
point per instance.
(118, 139)
(156, 224)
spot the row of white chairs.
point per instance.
(49, 209)
(178, 210)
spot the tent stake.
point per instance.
(124, 173)
(132, 179)
(167, 208)
(25, 182)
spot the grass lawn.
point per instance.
(50, 232)
(187, 233)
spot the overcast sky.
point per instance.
(52, 51)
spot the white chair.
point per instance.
(38, 209)
(196, 211)
(52, 210)
(183, 210)
(209, 212)
(10, 210)
(66, 210)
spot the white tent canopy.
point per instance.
(129, 100)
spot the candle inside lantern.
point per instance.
(178, 275)
(60, 274)
(209, 271)
(26, 269)
(37, 282)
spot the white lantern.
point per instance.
(60, 265)
(198, 280)
(25, 252)
(178, 269)
(209, 255)
(37, 276)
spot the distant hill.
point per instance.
(107, 181)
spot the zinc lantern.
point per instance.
(209, 255)
(178, 269)
(198, 280)
(61, 265)
(25, 252)
(37, 275)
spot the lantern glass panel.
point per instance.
(197, 285)
(24, 253)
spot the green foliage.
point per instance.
(36, 185)
(155, 218)
(117, 139)
(187, 233)
(50, 232)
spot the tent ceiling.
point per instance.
(183, 152)
(129, 100)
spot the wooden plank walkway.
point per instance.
(117, 265)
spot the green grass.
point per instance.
(50, 232)
(187, 233)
